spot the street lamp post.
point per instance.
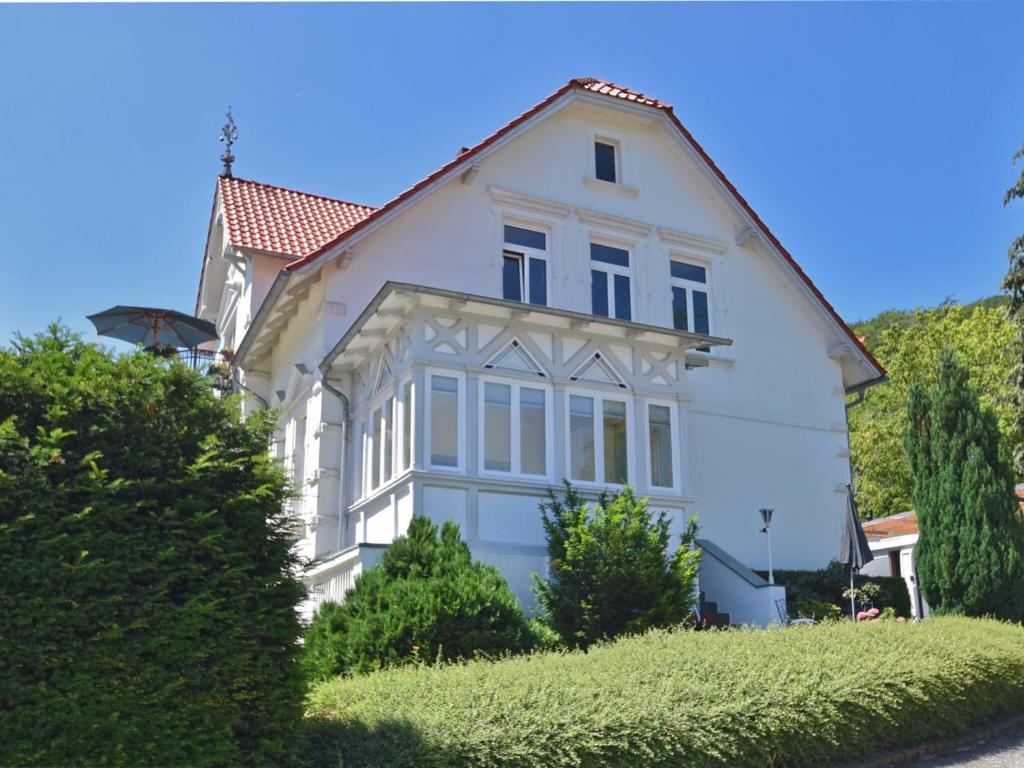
(766, 517)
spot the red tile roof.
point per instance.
(904, 524)
(604, 88)
(271, 218)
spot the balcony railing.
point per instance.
(216, 365)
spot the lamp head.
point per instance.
(766, 515)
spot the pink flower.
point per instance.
(862, 615)
(873, 613)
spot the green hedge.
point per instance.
(828, 585)
(147, 603)
(800, 696)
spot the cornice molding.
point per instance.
(618, 223)
(529, 203)
(694, 244)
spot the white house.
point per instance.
(583, 295)
(893, 540)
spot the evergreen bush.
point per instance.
(611, 572)
(970, 550)
(427, 600)
(148, 602)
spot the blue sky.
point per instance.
(874, 138)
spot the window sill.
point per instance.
(610, 186)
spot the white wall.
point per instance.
(766, 421)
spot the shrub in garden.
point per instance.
(427, 600)
(611, 572)
(830, 584)
(970, 552)
(802, 697)
(148, 607)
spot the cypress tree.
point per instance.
(971, 535)
(1013, 284)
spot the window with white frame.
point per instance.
(611, 293)
(661, 439)
(445, 421)
(514, 428)
(407, 403)
(598, 439)
(690, 297)
(379, 445)
(606, 163)
(524, 271)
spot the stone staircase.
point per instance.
(710, 615)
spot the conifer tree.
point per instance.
(1013, 283)
(969, 554)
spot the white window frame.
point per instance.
(372, 484)
(690, 286)
(428, 396)
(599, 397)
(516, 435)
(406, 405)
(524, 254)
(614, 269)
(599, 134)
(673, 412)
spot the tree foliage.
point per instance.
(610, 568)
(1013, 284)
(148, 607)
(970, 554)
(427, 600)
(910, 350)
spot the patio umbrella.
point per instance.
(854, 550)
(150, 326)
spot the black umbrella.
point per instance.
(151, 327)
(854, 550)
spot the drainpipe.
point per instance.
(343, 460)
(238, 383)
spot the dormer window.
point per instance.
(606, 161)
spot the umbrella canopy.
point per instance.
(150, 326)
(854, 550)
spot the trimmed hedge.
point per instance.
(828, 584)
(801, 696)
(147, 603)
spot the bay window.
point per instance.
(660, 435)
(514, 429)
(611, 294)
(598, 447)
(445, 421)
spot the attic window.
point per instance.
(605, 161)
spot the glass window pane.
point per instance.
(389, 411)
(700, 312)
(498, 427)
(685, 271)
(532, 427)
(539, 282)
(375, 447)
(604, 161)
(615, 462)
(581, 437)
(512, 278)
(660, 431)
(407, 426)
(622, 300)
(599, 292)
(527, 238)
(608, 255)
(679, 309)
(444, 421)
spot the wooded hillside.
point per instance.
(908, 343)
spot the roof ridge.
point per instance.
(295, 191)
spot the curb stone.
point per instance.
(1002, 726)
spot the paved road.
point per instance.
(1007, 752)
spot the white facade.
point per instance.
(407, 321)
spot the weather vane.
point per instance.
(228, 136)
